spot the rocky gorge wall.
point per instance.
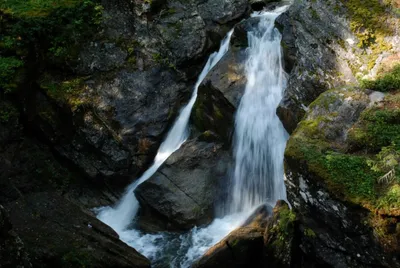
(83, 114)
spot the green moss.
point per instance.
(378, 126)
(69, 91)
(285, 222)
(310, 233)
(368, 19)
(314, 14)
(35, 8)
(353, 176)
(388, 82)
(282, 230)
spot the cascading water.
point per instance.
(259, 141)
(260, 138)
(259, 145)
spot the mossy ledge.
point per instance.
(358, 161)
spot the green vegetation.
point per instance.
(8, 71)
(283, 226)
(363, 169)
(378, 126)
(388, 82)
(42, 32)
(67, 91)
(310, 233)
(357, 176)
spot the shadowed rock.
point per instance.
(183, 192)
(241, 248)
(58, 233)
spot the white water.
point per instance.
(260, 138)
(259, 145)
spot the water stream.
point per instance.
(260, 137)
(258, 149)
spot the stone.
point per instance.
(222, 11)
(243, 247)
(182, 194)
(12, 249)
(57, 233)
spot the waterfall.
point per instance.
(120, 216)
(260, 139)
(259, 144)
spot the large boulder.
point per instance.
(243, 247)
(183, 192)
(57, 233)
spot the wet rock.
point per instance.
(239, 36)
(58, 233)
(258, 5)
(241, 248)
(12, 249)
(213, 112)
(183, 192)
(222, 11)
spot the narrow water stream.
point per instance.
(258, 149)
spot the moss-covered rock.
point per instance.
(341, 160)
(280, 237)
(335, 43)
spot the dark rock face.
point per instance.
(28, 166)
(12, 251)
(58, 233)
(222, 12)
(338, 237)
(183, 192)
(313, 52)
(109, 115)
